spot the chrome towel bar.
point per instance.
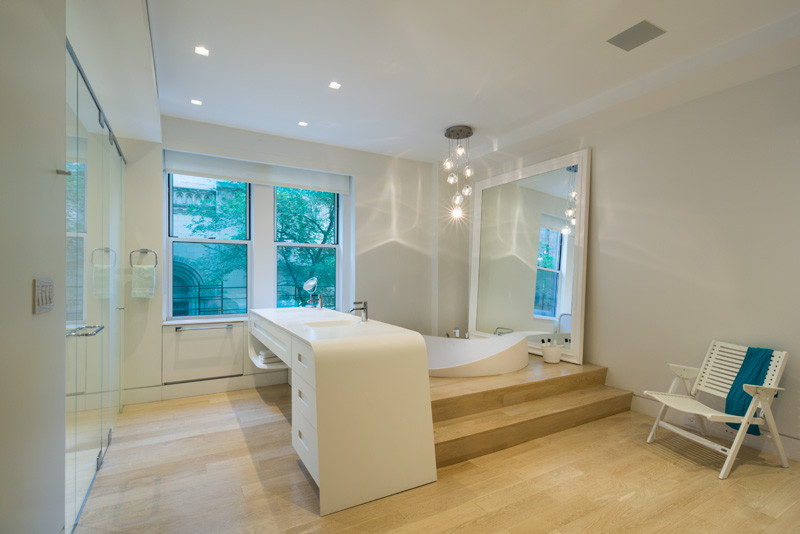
(110, 252)
(143, 251)
(182, 329)
(94, 329)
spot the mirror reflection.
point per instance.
(525, 279)
(529, 254)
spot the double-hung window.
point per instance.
(549, 269)
(306, 244)
(209, 238)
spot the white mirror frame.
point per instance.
(581, 158)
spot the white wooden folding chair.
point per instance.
(715, 377)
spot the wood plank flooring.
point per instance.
(224, 463)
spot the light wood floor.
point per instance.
(224, 463)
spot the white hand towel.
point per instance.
(143, 281)
(101, 278)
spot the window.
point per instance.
(548, 271)
(307, 244)
(209, 240)
(76, 242)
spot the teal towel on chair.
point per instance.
(753, 371)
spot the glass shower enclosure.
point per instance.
(94, 199)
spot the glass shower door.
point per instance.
(93, 289)
(114, 312)
(74, 289)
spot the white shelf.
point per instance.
(277, 366)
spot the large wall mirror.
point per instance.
(528, 268)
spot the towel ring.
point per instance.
(104, 249)
(143, 251)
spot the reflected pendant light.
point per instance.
(572, 209)
(457, 166)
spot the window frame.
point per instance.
(170, 239)
(337, 245)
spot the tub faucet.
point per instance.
(360, 305)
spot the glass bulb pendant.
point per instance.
(452, 178)
(458, 199)
(466, 190)
(468, 171)
(457, 212)
(448, 164)
(572, 221)
(569, 212)
(566, 230)
(573, 194)
(460, 150)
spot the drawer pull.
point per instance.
(300, 438)
(300, 396)
(300, 360)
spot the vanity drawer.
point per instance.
(304, 441)
(304, 399)
(303, 361)
(272, 337)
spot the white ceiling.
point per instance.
(518, 71)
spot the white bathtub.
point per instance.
(450, 357)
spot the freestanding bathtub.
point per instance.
(456, 357)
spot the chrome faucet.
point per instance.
(456, 332)
(360, 305)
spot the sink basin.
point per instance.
(332, 323)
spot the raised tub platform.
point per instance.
(476, 416)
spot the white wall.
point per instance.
(32, 218)
(694, 236)
(452, 260)
(144, 228)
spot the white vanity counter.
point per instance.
(361, 411)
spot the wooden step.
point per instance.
(461, 438)
(456, 397)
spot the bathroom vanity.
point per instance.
(361, 411)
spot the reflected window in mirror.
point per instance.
(549, 271)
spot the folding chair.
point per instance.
(715, 377)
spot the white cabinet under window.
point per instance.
(202, 351)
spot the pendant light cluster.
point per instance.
(572, 210)
(457, 167)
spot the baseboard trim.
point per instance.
(202, 387)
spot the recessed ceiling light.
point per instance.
(201, 50)
(302, 123)
(196, 102)
(334, 85)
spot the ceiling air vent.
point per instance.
(636, 36)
